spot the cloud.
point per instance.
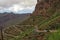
(17, 5)
(7, 3)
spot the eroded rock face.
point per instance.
(43, 5)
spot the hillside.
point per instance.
(46, 16)
(7, 19)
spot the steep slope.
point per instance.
(46, 10)
(46, 16)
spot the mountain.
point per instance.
(45, 17)
(47, 14)
(7, 19)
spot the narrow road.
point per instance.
(46, 31)
(36, 29)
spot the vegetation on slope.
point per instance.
(46, 18)
(53, 36)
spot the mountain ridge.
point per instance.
(8, 18)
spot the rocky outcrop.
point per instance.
(43, 5)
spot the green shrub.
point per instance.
(54, 36)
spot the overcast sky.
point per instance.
(21, 6)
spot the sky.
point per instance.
(17, 6)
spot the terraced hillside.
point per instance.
(9, 19)
(45, 17)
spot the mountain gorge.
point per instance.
(45, 17)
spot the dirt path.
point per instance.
(36, 28)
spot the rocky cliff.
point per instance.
(43, 5)
(46, 10)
